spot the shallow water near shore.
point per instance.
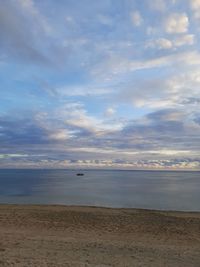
(165, 190)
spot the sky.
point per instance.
(100, 84)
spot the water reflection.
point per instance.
(138, 189)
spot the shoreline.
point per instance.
(59, 235)
(95, 207)
(99, 207)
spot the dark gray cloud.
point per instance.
(157, 123)
(152, 140)
(191, 100)
(21, 132)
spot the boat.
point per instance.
(80, 174)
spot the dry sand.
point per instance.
(89, 236)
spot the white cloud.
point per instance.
(61, 135)
(176, 23)
(93, 124)
(136, 18)
(110, 111)
(187, 39)
(75, 116)
(195, 4)
(161, 43)
(180, 40)
(164, 43)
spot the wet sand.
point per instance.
(90, 236)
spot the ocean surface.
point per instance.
(165, 190)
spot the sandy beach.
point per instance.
(90, 236)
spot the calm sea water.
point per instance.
(130, 189)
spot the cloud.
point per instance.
(106, 84)
(89, 90)
(18, 29)
(118, 66)
(195, 6)
(187, 39)
(164, 133)
(161, 43)
(156, 137)
(173, 91)
(80, 120)
(167, 115)
(136, 18)
(29, 8)
(171, 164)
(60, 135)
(110, 111)
(178, 41)
(6, 156)
(162, 121)
(176, 23)
(72, 121)
(21, 131)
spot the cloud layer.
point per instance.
(100, 84)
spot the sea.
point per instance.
(162, 190)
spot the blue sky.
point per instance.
(100, 84)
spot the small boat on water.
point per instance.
(80, 174)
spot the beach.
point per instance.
(43, 235)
